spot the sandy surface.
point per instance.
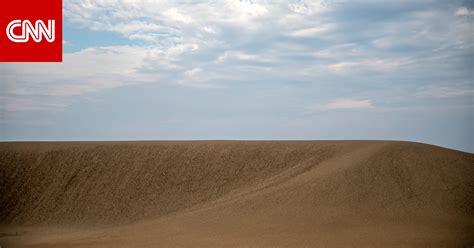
(235, 194)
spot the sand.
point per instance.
(235, 194)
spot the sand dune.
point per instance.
(235, 194)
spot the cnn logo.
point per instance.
(32, 34)
(27, 30)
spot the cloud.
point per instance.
(193, 72)
(310, 46)
(463, 11)
(311, 32)
(369, 64)
(88, 70)
(162, 21)
(300, 8)
(175, 15)
(36, 86)
(240, 56)
(197, 78)
(341, 104)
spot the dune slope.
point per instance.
(235, 194)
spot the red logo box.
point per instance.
(31, 31)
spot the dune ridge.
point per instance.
(236, 194)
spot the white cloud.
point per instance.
(181, 48)
(148, 19)
(308, 7)
(236, 55)
(202, 44)
(209, 30)
(174, 14)
(341, 104)
(246, 10)
(41, 86)
(89, 70)
(463, 11)
(311, 32)
(198, 78)
(93, 69)
(193, 72)
(369, 64)
(300, 8)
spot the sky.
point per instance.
(272, 70)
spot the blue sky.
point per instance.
(143, 69)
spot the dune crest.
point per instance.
(235, 193)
